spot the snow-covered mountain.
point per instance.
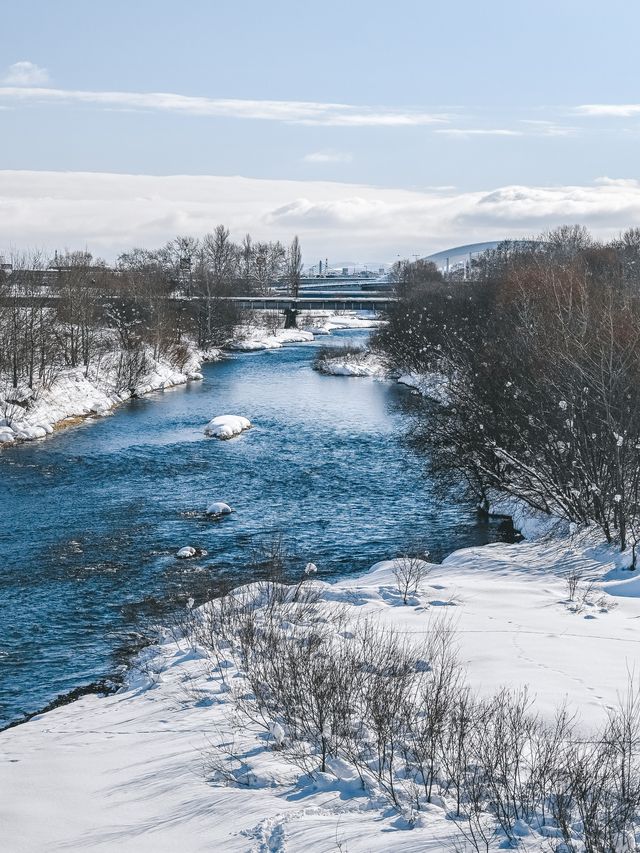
(460, 254)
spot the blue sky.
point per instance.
(372, 129)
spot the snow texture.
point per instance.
(132, 771)
(353, 364)
(186, 553)
(218, 508)
(226, 426)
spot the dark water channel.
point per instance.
(91, 518)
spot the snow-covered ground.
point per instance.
(428, 384)
(134, 771)
(252, 339)
(362, 363)
(367, 363)
(310, 324)
(325, 322)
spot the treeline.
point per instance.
(539, 346)
(73, 310)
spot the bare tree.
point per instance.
(410, 572)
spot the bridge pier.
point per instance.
(291, 318)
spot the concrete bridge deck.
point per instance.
(369, 301)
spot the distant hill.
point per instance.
(460, 254)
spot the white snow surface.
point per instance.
(252, 339)
(354, 364)
(76, 395)
(218, 508)
(130, 771)
(186, 553)
(432, 385)
(227, 426)
(325, 322)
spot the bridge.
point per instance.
(355, 301)
(291, 305)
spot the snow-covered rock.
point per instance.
(218, 508)
(186, 553)
(226, 426)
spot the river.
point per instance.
(91, 518)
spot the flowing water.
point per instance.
(91, 518)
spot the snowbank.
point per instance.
(432, 385)
(352, 364)
(35, 413)
(325, 322)
(135, 770)
(312, 323)
(226, 426)
(252, 339)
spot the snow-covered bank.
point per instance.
(140, 769)
(76, 393)
(253, 339)
(363, 363)
(257, 337)
(325, 322)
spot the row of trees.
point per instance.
(540, 350)
(365, 702)
(74, 310)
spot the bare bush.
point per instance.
(396, 709)
(410, 571)
(573, 579)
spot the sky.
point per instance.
(372, 130)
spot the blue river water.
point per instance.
(91, 518)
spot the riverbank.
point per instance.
(141, 769)
(78, 393)
(362, 362)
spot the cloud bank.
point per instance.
(108, 213)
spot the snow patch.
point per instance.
(218, 508)
(226, 426)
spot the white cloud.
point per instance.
(608, 110)
(528, 127)
(25, 73)
(478, 131)
(111, 212)
(328, 155)
(295, 112)
(540, 127)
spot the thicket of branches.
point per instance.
(540, 347)
(364, 702)
(74, 310)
